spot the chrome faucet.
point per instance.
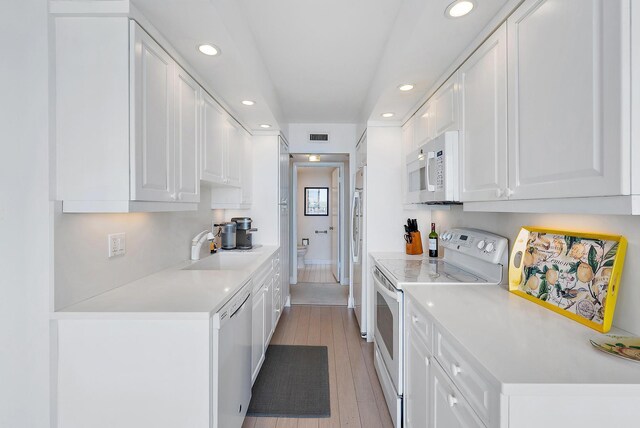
(196, 243)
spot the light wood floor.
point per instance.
(356, 397)
(316, 273)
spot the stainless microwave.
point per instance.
(432, 171)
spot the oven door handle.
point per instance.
(381, 288)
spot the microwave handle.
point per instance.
(430, 187)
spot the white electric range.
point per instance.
(471, 256)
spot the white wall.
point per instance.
(319, 250)
(386, 214)
(627, 315)
(342, 137)
(24, 215)
(155, 241)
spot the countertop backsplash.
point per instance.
(627, 315)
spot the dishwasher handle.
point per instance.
(244, 302)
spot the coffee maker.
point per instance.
(227, 235)
(244, 240)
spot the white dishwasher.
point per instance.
(231, 359)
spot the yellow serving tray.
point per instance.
(575, 274)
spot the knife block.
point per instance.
(415, 247)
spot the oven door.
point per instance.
(388, 327)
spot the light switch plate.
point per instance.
(117, 244)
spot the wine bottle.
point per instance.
(433, 241)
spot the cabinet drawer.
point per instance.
(420, 325)
(450, 408)
(476, 387)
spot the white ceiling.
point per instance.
(322, 55)
(311, 61)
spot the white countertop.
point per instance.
(172, 293)
(524, 345)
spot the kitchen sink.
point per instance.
(224, 261)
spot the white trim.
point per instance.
(603, 205)
(343, 267)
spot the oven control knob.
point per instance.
(490, 247)
(481, 244)
(445, 237)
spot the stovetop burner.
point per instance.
(428, 271)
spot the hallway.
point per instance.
(317, 273)
(356, 396)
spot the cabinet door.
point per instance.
(268, 311)
(483, 131)
(446, 102)
(257, 332)
(449, 409)
(417, 400)
(424, 128)
(233, 154)
(213, 140)
(246, 163)
(152, 87)
(186, 137)
(568, 93)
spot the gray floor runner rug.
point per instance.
(293, 382)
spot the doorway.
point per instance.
(319, 269)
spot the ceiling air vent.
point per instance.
(319, 138)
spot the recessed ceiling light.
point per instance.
(459, 8)
(314, 158)
(265, 125)
(405, 87)
(248, 102)
(387, 114)
(209, 50)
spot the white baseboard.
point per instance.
(351, 303)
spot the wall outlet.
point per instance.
(117, 244)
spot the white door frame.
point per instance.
(294, 214)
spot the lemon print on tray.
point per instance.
(573, 274)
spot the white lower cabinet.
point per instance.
(264, 316)
(268, 312)
(257, 330)
(164, 371)
(449, 408)
(417, 394)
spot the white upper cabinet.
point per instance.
(424, 128)
(126, 120)
(231, 153)
(568, 74)
(446, 108)
(187, 108)
(234, 151)
(246, 164)
(483, 120)
(152, 123)
(213, 139)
